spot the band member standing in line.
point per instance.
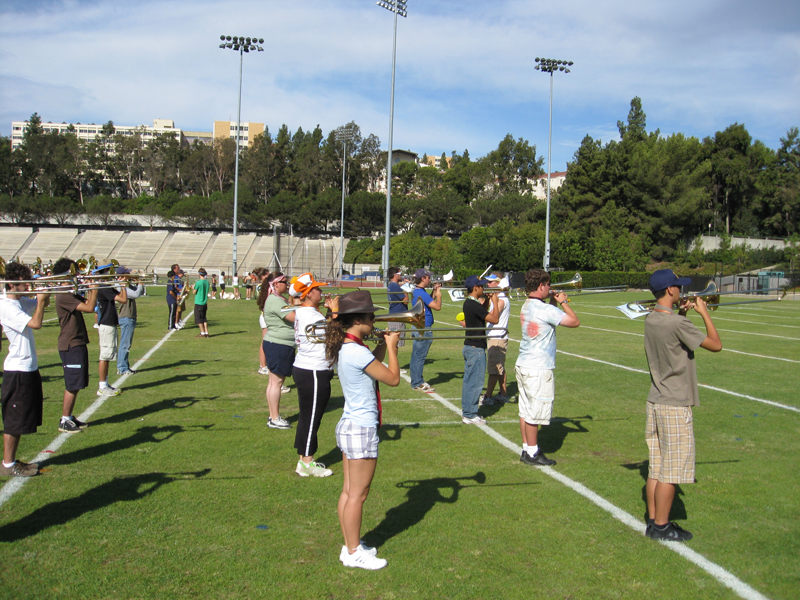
(423, 341)
(21, 394)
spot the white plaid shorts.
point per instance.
(356, 441)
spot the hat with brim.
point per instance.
(664, 278)
(303, 285)
(474, 280)
(122, 271)
(357, 302)
(420, 273)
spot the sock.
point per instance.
(64, 419)
(9, 465)
(103, 384)
(660, 527)
(532, 450)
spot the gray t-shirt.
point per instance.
(669, 342)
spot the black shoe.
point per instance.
(671, 532)
(537, 460)
(80, 424)
(522, 456)
(68, 426)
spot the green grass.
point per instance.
(163, 495)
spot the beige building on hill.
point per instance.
(248, 130)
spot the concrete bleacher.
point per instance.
(12, 240)
(184, 248)
(139, 248)
(260, 255)
(49, 245)
(218, 255)
(97, 243)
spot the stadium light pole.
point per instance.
(344, 135)
(550, 65)
(241, 45)
(398, 7)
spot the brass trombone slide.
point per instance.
(710, 295)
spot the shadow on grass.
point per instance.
(119, 489)
(678, 512)
(215, 334)
(551, 437)
(421, 497)
(138, 413)
(176, 365)
(188, 377)
(143, 435)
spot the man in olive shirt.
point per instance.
(72, 349)
(670, 341)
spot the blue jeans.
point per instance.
(419, 352)
(474, 369)
(126, 327)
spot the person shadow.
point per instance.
(421, 497)
(678, 512)
(119, 489)
(551, 437)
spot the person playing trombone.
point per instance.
(398, 301)
(476, 316)
(670, 340)
(423, 341)
(537, 360)
(21, 394)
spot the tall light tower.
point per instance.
(550, 65)
(241, 45)
(344, 135)
(398, 7)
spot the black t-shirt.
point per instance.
(475, 317)
(108, 310)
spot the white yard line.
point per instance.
(15, 483)
(716, 571)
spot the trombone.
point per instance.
(711, 295)
(315, 332)
(577, 283)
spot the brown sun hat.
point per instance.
(357, 302)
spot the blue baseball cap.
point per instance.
(473, 280)
(664, 278)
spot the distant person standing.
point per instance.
(423, 341)
(670, 340)
(109, 320)
(537, 360)
(72, 347)
(235, 286)
(222, 283)
(201, 303)
(213, 286)
(181, 281)
(398, 302)
(497, 345)
(172, 300)
(127, 321)
(21, 394)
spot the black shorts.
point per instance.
(23, 402)
(200, 313)
(280, 358)
(75, 363)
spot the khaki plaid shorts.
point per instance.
(670, 438)
(496, 355)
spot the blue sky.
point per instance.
(465, 74)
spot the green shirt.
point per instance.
(201, 291)
(279, 330)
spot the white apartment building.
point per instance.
(91, 131)
(556, 181)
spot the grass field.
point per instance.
(179, 490)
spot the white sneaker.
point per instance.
(263, 370)
(108, 391)
(285, 389)
(476, 420)
(368, 549)
(425, 387)
(96, 326)
(363, 560)
(313, 468)
(279, 423)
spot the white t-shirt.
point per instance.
(15, 316)
(537, 350)
(309, 356)
(501, 329)
(360, 398)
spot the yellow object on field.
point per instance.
(460, 316)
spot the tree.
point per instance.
(782, 209)
(513, 165)
(731, 179)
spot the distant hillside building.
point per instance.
(89, 133)
(556, 181)
(247, 131)
(436, 161)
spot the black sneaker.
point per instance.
(68, 426)
(80, 424)
(671, 532)
(537, 460)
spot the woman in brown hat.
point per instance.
(357, 432)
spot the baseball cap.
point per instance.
(664, 278)
(304, 284)
(491, 277)
(122, 271)
(420, 273)
(473, 280)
